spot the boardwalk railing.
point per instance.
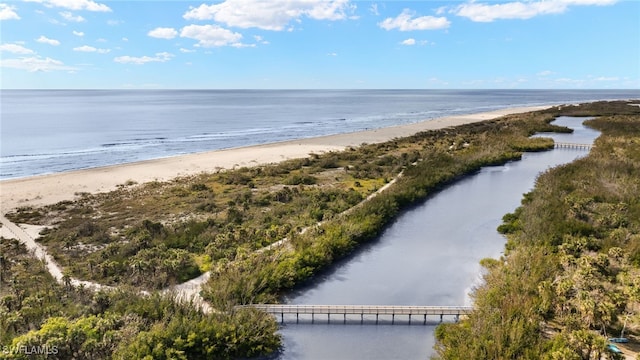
(362, 310)
(561, 145)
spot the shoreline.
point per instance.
(52, 188)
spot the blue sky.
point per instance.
(338, 44)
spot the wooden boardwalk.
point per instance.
(369, 310)
(561, 145)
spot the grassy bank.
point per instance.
(156, 234)
(152, 235)
(571, 275)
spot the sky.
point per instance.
(320, 44)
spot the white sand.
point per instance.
(49, 189)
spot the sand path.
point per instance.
(27, 234)
(49, 189)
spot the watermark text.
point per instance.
(30, 349)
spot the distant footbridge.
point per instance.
(562, 145)
(385, 311)
(312, 312)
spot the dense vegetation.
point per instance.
(571, 275)
(40, 319)
(152, 235)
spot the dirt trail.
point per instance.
(49, 189)
(39, 252)
(187, 291)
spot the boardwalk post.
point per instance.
(361, 318)
(393, 318)
(409, 319)
(282, 317)
(376, 319)
(425, 319)
(441, 315)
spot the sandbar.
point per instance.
(52, 188)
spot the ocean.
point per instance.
(51, 131)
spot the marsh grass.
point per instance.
(571, 275)
(157, 234)
(148, 236)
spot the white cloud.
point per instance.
(589, 2)
(374, 9)
(261, 40)
(409, 42)
(574, 82)
(8, 12)
(270, 15)
(211, 35)
(88, 5)
(56, 22)
(327, 10)
(183, 50)
(159, 57)
(67, 15)
(45, 40)
(412, 41)
(406, 22)
(16, 49)
(479, 12)
(241, 45)
(125, 39)
(163, 33)
(545, 73)
(87, 48)
(78, 33)
(36, 63)
(438, 81)
(332, 54)
(114, 22)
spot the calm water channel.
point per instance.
(429, 256)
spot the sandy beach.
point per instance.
(49, 189)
